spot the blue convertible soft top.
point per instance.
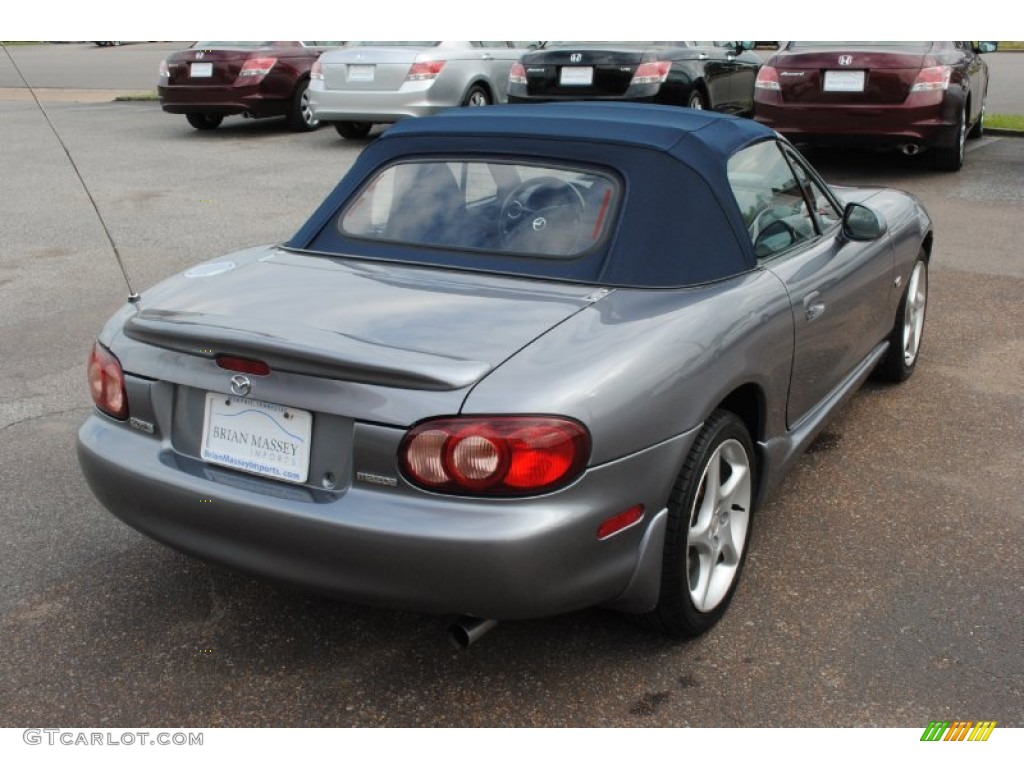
(655, 126)
(678, 225)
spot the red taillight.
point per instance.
(932, 79)
(425, 70)
(651, 72)
(317, 71)
(243, 365)
(768, 79)
(495, 456)
(106, 382)
(257, 68)
(517, 74)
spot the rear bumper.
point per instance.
(888, 126)
(398, 547)
(220, 100)
(646, 93)
(413, 99)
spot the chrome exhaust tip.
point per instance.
(468, 629)
(910, 149)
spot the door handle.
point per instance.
(814, 307)
(487, 57)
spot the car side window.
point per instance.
(822, 207)
(770, 199)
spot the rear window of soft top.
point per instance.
(495, 206)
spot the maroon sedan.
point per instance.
(911, 96)
(213, 79)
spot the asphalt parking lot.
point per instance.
(884, 585)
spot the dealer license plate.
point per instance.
(201, 69)
(261, 438)
(361, 73)
(844, 80)
(577, 76)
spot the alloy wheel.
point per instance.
(307, 110)
(913, 323)
(718, 525)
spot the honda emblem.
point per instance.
(845, 60)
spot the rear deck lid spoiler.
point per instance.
(321, 353)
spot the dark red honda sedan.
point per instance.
(911, 96)
(213, 79)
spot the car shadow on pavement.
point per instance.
(189, 644)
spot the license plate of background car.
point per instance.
(261, 438)
(577, 76)
(361, 73)
(844, 80)
(201, 69)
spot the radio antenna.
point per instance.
(133, 297)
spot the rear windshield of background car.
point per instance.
(233, 44)
(608, 43)
(402, 43)
(498, 207)
(860, 44)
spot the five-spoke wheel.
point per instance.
(905, 339)
(709, 523)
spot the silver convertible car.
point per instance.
(521, 361)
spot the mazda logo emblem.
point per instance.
(539, 223)
(240, 385)
(845, 61)
(575, 58)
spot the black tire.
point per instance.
(353, 130)
(300, 114)
(908, 331)
(707, 536)
(952, 158)
(696, 100)
(203, 122)
(477, 96)
(978, 129)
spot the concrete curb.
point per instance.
(1003, 132)
(72, 95)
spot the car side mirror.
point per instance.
(774, 238)
(862, 223)
(986, 47)
(746, 45)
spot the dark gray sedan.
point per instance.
(523, 360)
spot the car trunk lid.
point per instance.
(371, 68)
(210, 66)
(388, 325)
(848, 75)
(581, 72)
